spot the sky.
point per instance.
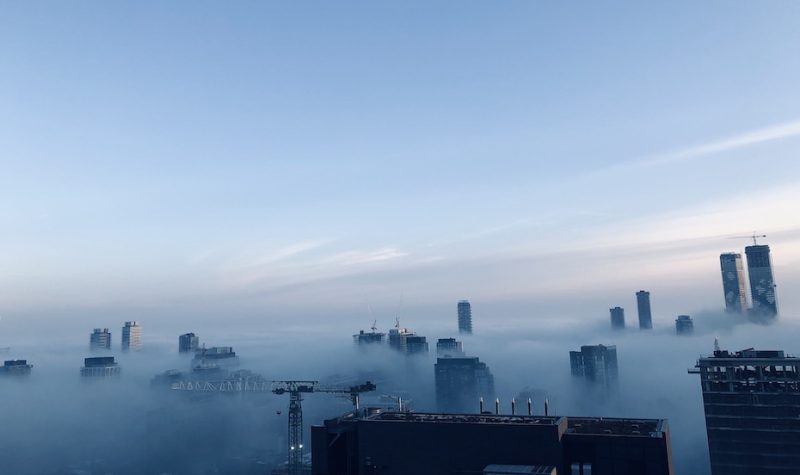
(283, 158)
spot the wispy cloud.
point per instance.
(364, 257)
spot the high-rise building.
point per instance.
(100, 339)
(416, 344)
(449, 347)
(100, 367)
(400, 443)
(684, 325)
(733, 285)
(16, 368)
(752, 406)
(617, 318)
(367, 338)
(188, 342)
(398, 336)
(643, 306)
(762, 284)
(596, 364)
(460, 383)
(132, 336)
(464, 317)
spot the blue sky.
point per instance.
(327, 153)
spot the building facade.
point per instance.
(449, 347)
(684, 325)
(643, 306)
(461, 382)
(16, 368)
(100, 367)
(132, 336)
(762, 283)
(100, 339)
(596, 364)
(752, 406)
(367, 338)
(402, 443)
(617, 318)
(464, 317)
(188, 343)
(416, 345)
(733, 284)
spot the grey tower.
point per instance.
(643, 305)
(100, 339)
(597, 364)
(188, 342)
(132, 336)
(762, 285)
(684, 325)
(464, 317)
(617, 318)
(733, 282)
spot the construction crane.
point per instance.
(296, 389)
(753, 236)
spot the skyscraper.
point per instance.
(752, 406)
(100, 367)
(188, 342)
(617, 318)
(597, 364)
(762, 284)
(132, 336)
(733, 285)
(643, 305)
(100, 339)
(464, 317)
(460, 383)
(684, 325)
(416, 344)
(449, 347)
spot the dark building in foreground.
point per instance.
(684, 325)
(733, 285)
(597, 364)
(464, 317)
(617, 318)
(461, 382)
(752, 406)
(188, 342)
(762, 284)
(402, 443)
(643, 306)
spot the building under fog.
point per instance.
(100, 367)
(188, 343)
(617, 318)
(449, 347)
(401, 443)
(100, 339)
(416, 345)
(16, 368)
(132, 336)
(752, 407)
(684, 325)
(399, 339)
(368, 338)
(461, 382)
(596, 364)
(733, 285)
(762, 283)
(643, 307)
(214, 358)
(464, 317)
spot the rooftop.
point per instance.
(613, 426)
(463, 418)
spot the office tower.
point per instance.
(617, 318)
(733, 285)
(188, 342)
(449, 347)
(684, 325)
(99, 367)
(752, 406)
(398, 337)
(460, 383)
(464, 317)
(132, 336)
(399, 443)
(16, 368)
(596, 364)
(100, 339)
(643, 306)
(416, 344)
(762, 284)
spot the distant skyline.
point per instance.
(339, 154)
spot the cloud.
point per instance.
(350, 258)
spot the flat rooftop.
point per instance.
(464, 418)
(614, 426)
(749, 353)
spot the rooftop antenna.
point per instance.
(753, 236)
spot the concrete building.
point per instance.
(188, 343)
(449, 347)
(643, 306)
(368, 338)
(762, 284)
(398, 337)
(596, 364)
(402, 443)
(464, 317)
(617, 318)
(684, 325)
(100, 339)
(733, 285)
(416, 344)
(16, 368)
(131, 336)
(460, 383)
(752, 407)
(100, 367)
